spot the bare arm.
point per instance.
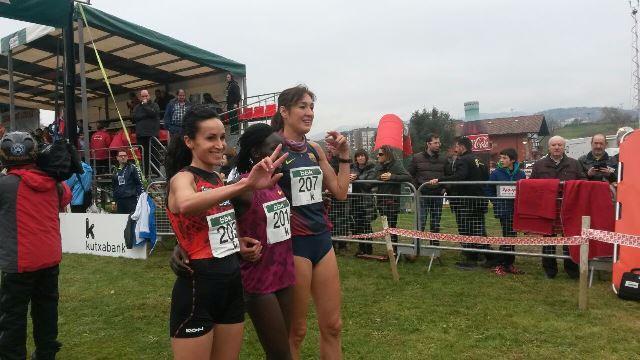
(337, 184)
(184, 199)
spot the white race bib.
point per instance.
(278, 220)
(306, 185)
(223, 236)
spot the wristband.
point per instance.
(344, 161)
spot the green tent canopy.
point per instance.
(45, 12)
(134, 58)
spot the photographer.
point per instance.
(595, 163)
(30, 250)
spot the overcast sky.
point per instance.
(364, 59)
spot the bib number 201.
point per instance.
(278, 220)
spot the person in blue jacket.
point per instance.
(127, 184)
(79, 184)
(508, 169)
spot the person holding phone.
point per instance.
(595, 163)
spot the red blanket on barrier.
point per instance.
(535, 207)
(587, 198)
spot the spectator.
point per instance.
(390, 170)
(145, 116)
(30, 251)
(79, 184)
(556, 165)
(363, 208)
(127, 184)
(99, 145)
(595, 164)
(176, 108)
(425, 166)
(469, 212)
(508, 169)
(614, 160)
(233, 103)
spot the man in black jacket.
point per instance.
(425, 166)
(595, 164)
(146, 117)
(127, 184)
(470, 212)
(233, 103)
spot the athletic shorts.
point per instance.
(213, 295)
(312, 247)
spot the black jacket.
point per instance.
(366, 173)
(424, 167)
(233, 94)
(588, 161)
(467, 167)
(126, 182)
(146, 118)
(398, 174)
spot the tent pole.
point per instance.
(12, 106)
(69, 81)
(243, 124)
(83, 92)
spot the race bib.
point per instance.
(306, 185)
(278, 220)
(223, 236)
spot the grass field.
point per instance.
(574, 131)
(118, 309)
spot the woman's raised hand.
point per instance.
(262, 174)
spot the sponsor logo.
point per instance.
(89, 229)
(480, 142)
(312, 157)
(631, 284)
(107, 247)
(289, 161)
(194, 330)
(17, 149)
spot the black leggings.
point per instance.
(271, 317)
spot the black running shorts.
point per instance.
(213, 295)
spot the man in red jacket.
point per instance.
(30, 250)
(99, 145)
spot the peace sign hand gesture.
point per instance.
(262, 174)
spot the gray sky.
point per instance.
(365, 59)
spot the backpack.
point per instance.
(59, 160)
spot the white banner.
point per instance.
(97, 234)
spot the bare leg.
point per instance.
(192, 348)
(325, 288)
(300, 308)
(227, 341)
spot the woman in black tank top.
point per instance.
(316, 269)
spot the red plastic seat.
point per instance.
(270, 110)
(258, 112)
(246, 114)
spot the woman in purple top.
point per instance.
(267, 271)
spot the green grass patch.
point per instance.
(118, 309)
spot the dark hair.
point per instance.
(254, 136)
(388, 152)
(100, 126)
(207, 98)
(288, 98)
(430, 137)
(178, 154)
(230, 74)
(511, 153)
(358, 153)
(464, 141)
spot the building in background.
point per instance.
(471, 110)
(361, 138)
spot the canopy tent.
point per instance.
(134, 58)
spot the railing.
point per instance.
(157, 153)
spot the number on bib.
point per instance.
(306, 185)
(278, 214)
(223, 236)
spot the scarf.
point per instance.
(297, 146)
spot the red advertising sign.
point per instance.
(480, 142)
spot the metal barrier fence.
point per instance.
(408, 208)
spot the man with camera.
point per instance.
(595, 163)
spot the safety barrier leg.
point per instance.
(387, 238)
(584, 268)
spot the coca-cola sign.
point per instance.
(480, 142)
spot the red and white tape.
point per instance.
(587, 234)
